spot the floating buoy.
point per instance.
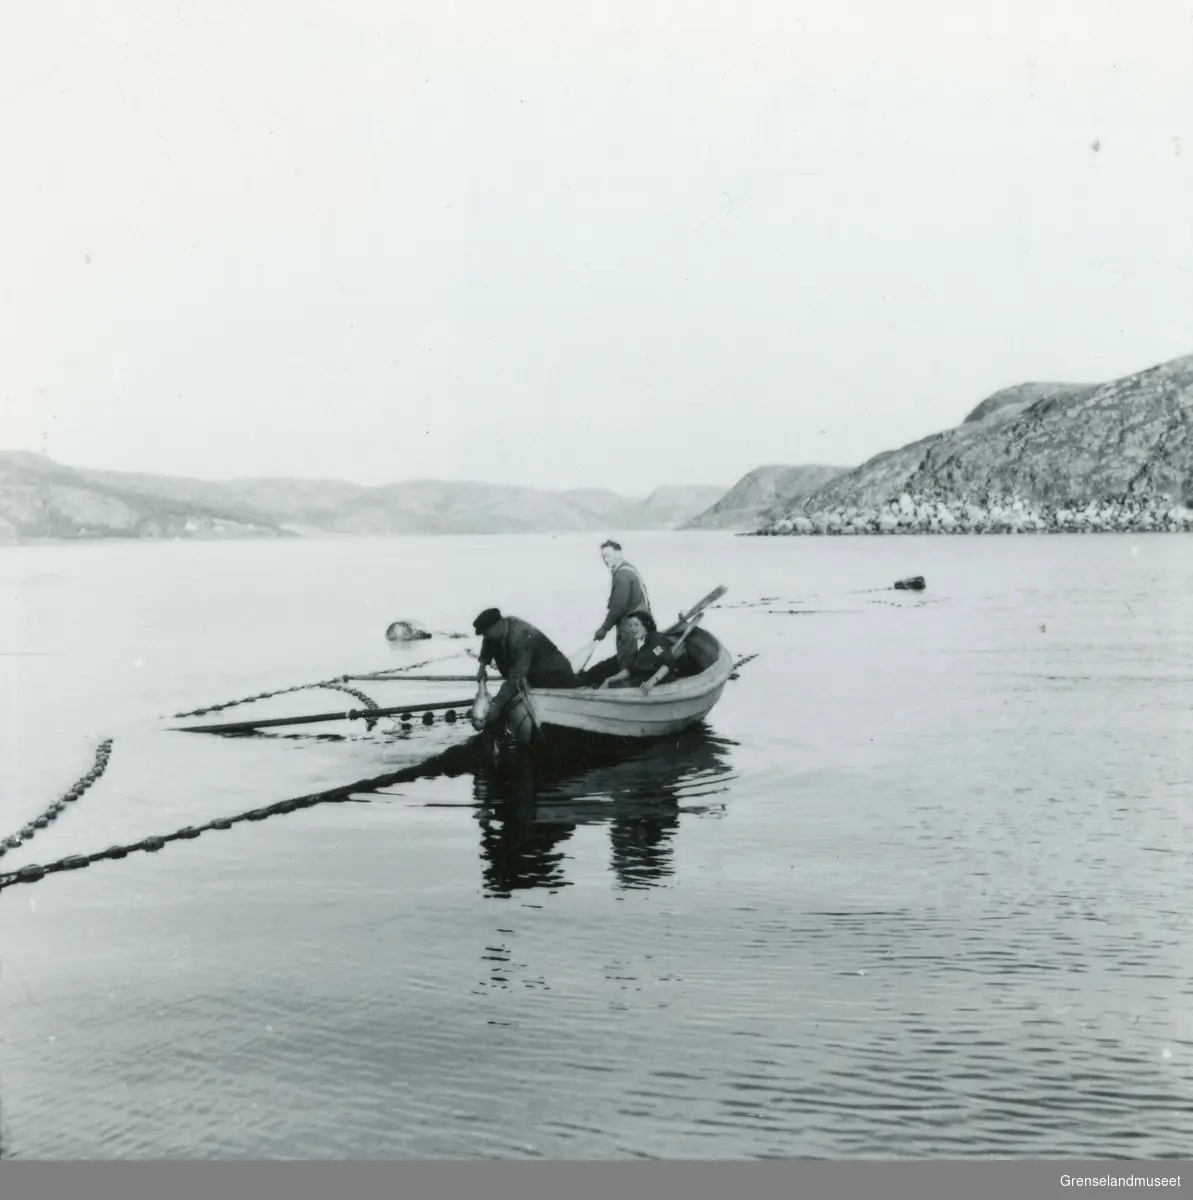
(116, 852)
(152, 843)
(914, 583)
(189, 832)
(520, 721)
(72, 862)
(428, 718)
(407, 631)
(31, 874)
(450, 716)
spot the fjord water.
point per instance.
(922, 886)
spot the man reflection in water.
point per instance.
(642, 842)
(519, 851)
(521, 843)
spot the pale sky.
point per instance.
(619, 244)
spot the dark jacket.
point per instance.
(654, 653)
(524, 653)
(627, 594)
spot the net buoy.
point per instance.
(407, 631)
(520, 722)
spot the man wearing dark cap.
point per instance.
(521, 653)
(627, 595)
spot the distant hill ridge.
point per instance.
(40, 498)
(1050, 456)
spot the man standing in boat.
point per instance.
(522, 654)
(626, 595)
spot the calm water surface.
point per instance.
(922, 885)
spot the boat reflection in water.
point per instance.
(528, 807)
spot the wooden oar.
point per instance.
(675, 649)
(699, 607)
(355, 714)
(684, 636)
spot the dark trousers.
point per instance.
(627, 648)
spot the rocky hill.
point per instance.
(1013, 400)
(40, 499)
(43, 499)
(1041, 457)
(431, 506)
(755, 495)
(278, 501)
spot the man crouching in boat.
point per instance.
(523, 655)
(651, 658)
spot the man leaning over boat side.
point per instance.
(522, 654)
(627, 594)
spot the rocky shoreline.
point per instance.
(919, 514)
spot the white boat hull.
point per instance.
(626, 712)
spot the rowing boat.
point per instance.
(625, 713)
(558, 716)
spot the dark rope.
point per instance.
(395, 673)
(52, 813)
(338, 795)
(202, 712)
(367, 701)
(337, 683)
